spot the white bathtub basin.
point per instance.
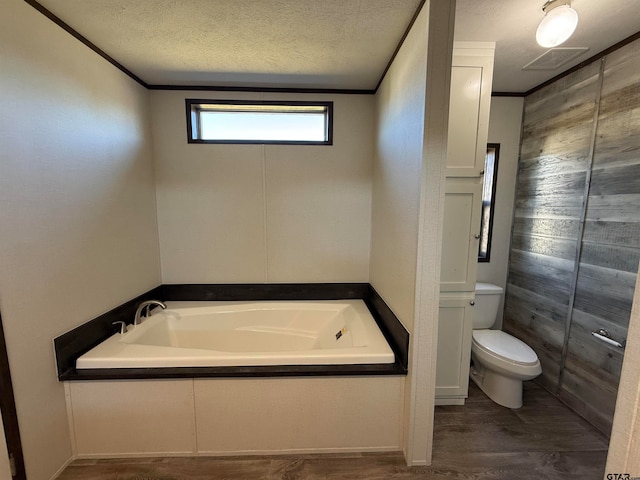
(194, 334)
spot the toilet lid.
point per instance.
(501, 344)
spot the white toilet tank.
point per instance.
(487, 303)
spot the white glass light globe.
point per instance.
(557, 26)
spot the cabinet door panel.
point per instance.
(464, 108)
(460, 245)
(469, 105)
(454, 350)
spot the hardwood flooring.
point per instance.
(481, 440)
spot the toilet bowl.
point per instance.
(500, 362)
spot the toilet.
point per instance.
(500, 362)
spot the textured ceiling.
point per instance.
(512, 25)
(286, 43)
(344, 44)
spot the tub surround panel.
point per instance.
(264, 291)
(81, 339)
(393, 330)
(150, 417)
(236, 416)
(74, 343)
(303, 414)
(234, 372)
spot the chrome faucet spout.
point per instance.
(146, 305)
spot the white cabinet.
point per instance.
(471, 78)
(461, 229)
(454, 349)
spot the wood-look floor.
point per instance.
(481, 440)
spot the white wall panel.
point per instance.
(505, 123)
(407, 209)
(272, 213)
(77, 209)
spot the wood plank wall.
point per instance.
(557, 128)
(549, 304)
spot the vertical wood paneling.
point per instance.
(557, 130)
(555, 164)
(609, 261)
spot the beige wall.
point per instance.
(408, 198)
(505, 124)
(77, 209)
(397, 171)
(272, 213)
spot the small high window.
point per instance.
(488, 200)
(262, 122)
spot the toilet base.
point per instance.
(502, 390)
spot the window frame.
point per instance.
(193, 108)
(489, 231)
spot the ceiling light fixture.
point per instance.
(558, 24)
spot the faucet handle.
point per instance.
(123, 326)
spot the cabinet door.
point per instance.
(461, 230)
(469, 115)
(454, 350)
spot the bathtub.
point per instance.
(221, 334)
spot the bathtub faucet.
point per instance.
(147, 304)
